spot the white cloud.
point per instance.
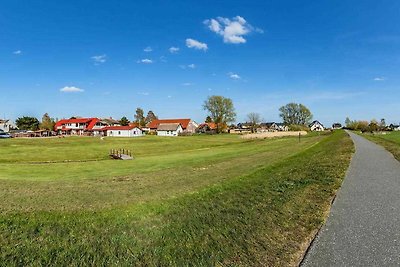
(192, 66)
(173, 50)
(143, 93)
(187, 84)
(380, 79)
(71, 89)
(232, 30)
(99, 59)
(234, 76)
(145, 61)
(163, 59)
(191, 43)
(18, 52)
(148, 49)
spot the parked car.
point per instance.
(4, 135)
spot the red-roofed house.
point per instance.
(80, 126)
(207, 127)
(188, 125)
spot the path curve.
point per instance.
(363, 228)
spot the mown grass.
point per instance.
(389, 140)
(262, 216)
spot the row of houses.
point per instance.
(101, 127)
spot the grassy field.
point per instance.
(203, 200)
(389, 140)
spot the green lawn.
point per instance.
(201, 200)
(389, 140)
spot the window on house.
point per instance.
(119, 132)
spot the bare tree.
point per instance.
(254, 119)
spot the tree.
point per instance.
(382, 124)
(150, 117)
(208, 119)
(254, 119)
(348, 122)
(139, 117)
(47, 123)
(294, 113)
(221, 110)
(124, 121)
(27, 123)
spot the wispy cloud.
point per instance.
(234, 76)
(173, 50)
(100, 59)
(148, 49)
(71, 89)
(190, 66)
(191, 43)
(18, 52)
(145, 61)
(187, 84)
(380, 79)
(143, 93)
(232, 30)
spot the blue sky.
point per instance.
(105, 58)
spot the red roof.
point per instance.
(91, 121)
(118, 128)
(154, 124)
(212, 125)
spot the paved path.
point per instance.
(363, 228)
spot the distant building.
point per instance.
(80, 126)
(316, 126)
(169, 129)
(188, 125)
(394, 127)
(272, 127)
(207, 127)
(6, 125)
(336, 126)
(122, 131)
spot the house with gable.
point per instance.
(79, 126)
(169, 129)
(6, 125)
(316, 126)
(188, 125)
(131, 130)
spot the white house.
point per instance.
(316, 126)
(188, 125)
(169, 129)
(6, 125)
(122, 131)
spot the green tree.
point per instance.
(254, 119)
(27, 123)
(294, 113)
(348, 122)
(47, 123)
(150, 117)
(221, 110)
(208, 119)
(124, 121)
(139, 117)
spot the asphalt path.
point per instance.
(363, 228)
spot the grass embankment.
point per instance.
(262, 216)
(389, 140)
